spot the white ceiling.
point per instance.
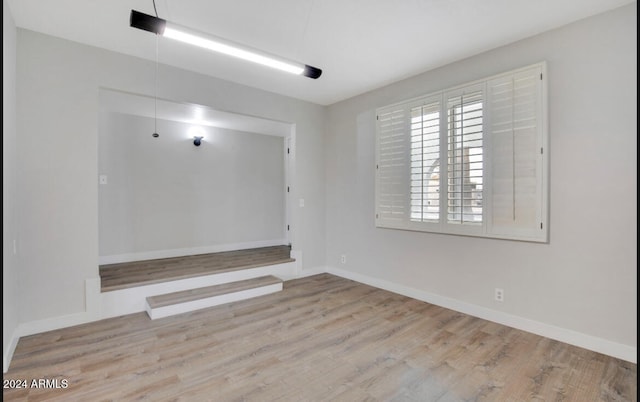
(359, 44)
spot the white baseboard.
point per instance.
(303, 273)
(8, 355)
(617, 350)
(181, 252)
(50, 324)
(91, 313)
(100, 306)
(133, 300)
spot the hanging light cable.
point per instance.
(155, 93)
(183, 34)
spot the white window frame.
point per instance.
(533, 223)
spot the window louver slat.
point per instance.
(513, 103)
(464, 158)
(467, 160)
(425, 167)
(391, 166)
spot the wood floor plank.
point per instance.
(130, 274)
(321, 338)
(210, 291)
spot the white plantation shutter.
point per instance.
(392, 168)
(465, 155)
(517, 155)
(471, 160)
(425, 161)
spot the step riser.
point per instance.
(133, 300)
(166, 311)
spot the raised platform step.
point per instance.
(141, 273)
(194, 299)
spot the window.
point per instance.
(470, 160)
(425, 163)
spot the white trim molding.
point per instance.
(614, 349)
(91, 313)
(312, 271)
(95, 312)
(133, 300)
(8, 355)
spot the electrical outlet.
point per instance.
(499, 294)
(343, 259)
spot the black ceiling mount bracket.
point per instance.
(147, 22)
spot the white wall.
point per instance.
(57, 103)
(166, 194)
(583, 282)
(9, 186)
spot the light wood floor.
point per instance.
(129, 274)
(322, 338)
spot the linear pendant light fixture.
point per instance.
(167, 29)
